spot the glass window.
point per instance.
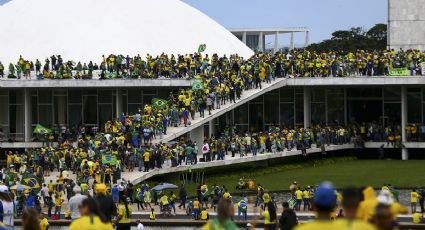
(105, 96)
(34, 110)
(149, 91)
(335, 110)
(318, 95)
(134, 96)
(414, 110)
(318, 113)
(134, 108)
(74, 96)
(392, 94)
(287, 114)
(75, 117)
(46, 115)
(45, 96)
(286, 94)
(364, 92)
(4, 108)
(271, 109)
(392, 113)
(256, 122)
(90, 109)
(61, 112)
(16, 97)
(147, 99)
(105, 113)
(299, 109)
(16, 118)
(241, 114)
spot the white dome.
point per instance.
(86, 29)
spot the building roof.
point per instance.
(87, 29)
(268, 30)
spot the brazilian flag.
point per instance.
(197, 85)
(11, 178)
(39, 129)
(159, 103)
(32, 181)
(109, 159)
(202, 48)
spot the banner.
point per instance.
(202, 48)
(423, 68)
(399, 72)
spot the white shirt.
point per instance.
(8, 208)
(74, 205)
(140, 226)
(45, 191)
(205, 148)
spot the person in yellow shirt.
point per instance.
(350, 203)
(414, 197)
(91, 217)
(367, 206)
(146, 158)
(306, 200)
(124, 215)
(269, 216)
(417, 218)
(44, 223)
(324, 202)
(299, 198)
(204, 214)
(196, 208)
(58, 205)
(152, 215)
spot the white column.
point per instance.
(211, 127)
(198, 136)
(307, 107)
(244, 38)
(276, 42)
(291, 44)
(118, 97)
(261, 42)
(307, 38)
(404, 151)
(27, 115)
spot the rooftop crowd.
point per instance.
(294, 63)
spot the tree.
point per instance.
(354, 39)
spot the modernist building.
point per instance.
(255, 38)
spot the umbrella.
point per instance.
(20, 187)
(164, 186)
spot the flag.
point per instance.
(31, 181)
(109, 159)
(11, 178)
(202, 48)
(39, 129)
(197, 85)
(159, 103)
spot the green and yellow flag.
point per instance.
(109, 159)
(39, 129)
(202, 48)
(197, 85)
(159, 103)
(31, 181)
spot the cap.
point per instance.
(325, 195)
(4, 188)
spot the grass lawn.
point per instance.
(341, 171)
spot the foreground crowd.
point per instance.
(297, 63)
(103, 208)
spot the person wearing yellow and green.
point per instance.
(152, 215)
(91, 217)
(299, 198)
(324, 202)
(124, 215)
(306, 199)
(417, 218)
(225, 214)
(270, 217)
(204, 214)
(414, 198)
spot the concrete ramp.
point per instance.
(175, 132)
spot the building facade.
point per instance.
(406, 24)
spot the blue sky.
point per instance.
(321, 16)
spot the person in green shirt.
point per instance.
(189, 154)
(225, 212)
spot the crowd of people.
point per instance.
(296, 63)
(105, 208)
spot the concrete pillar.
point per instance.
(118, 98)
(261, 42)
(198, 136)
(27, 115)
(307, 107)
(291, 44)
(276, 42)
(307, 38)
(244, 38)
(211, 126)
(404, 151)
